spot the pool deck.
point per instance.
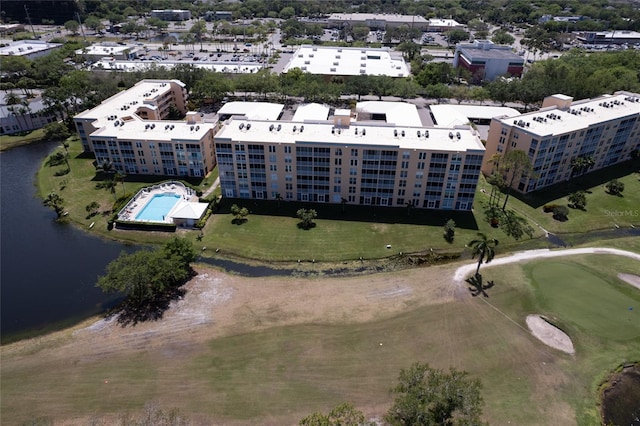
(137, 204)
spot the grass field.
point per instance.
(342, 232)
(12, 141)
(272, 361)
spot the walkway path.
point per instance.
(216, 183)
(464, 271)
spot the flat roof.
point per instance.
(330, 60)
(377, 17)
(252, 110)
(582, 114)
(27, 47)
(125, 103)
(164, 130)
(312, 111)
(450, 115)
(106, 49)
(437, 22)
(222, 67)
(398, 113)
(477, 52)
(367, 134)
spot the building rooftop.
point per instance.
(398, 113)
(312, 111)
(223, 67)
(125, 104)
(106, 49)
(581, 114)
(451, 115)
(328, 60)
(461, 138)
(252, 110)
(492, 51)
(437, 22)
(164, 130)
(377, 17)
(27, 47)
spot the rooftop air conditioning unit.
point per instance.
(301, 129)
(241, 126)
(450, 135)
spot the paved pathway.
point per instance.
(464, 271)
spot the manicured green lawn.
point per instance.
(605, 307)
(603, 211)
(12, 141)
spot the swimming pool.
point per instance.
(158, 207)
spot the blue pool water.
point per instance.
(158, 207)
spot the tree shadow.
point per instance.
(131, 312)
(477, 287)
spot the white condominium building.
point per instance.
(343, 159)
(131, 130)
(606, 129)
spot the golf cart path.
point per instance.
(464, 271)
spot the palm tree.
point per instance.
(120, 177)
(484, 248)
(56, 202)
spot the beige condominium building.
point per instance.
(606, 128)
(380, 154)
(131, 130)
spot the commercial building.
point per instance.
(347, 61)
(29, 49)
(609, 37)
(438, 25)
(606, 129)
(171, 14)
(377, 21)
(487, 61)
(131, 129)
(109, 51)
(359, 157)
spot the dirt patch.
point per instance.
(621, 397)
(549, 334)
(634, 280)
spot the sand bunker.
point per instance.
(550, 335)
(634, 280)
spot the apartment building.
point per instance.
(131, 130)
(606, 128)
(369, 162)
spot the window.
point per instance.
(338, 161)
(338, 151)
(287, 168)
(422, 156)
(354, 152)
(354, 162)
(272, 148)
(287, 150)
(273, 167)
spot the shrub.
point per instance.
(615, 187)
(561, 213)
(449, 230)
(548, 208)
(578, 200)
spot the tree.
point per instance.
(502, 37)
(239, 214)
(580, 165)
(342, 415)
(56, 131)
(428, 396)
(514, 165)
(449, 230)
(72, 25)
(120, 177)
(92, 209)
(306, 217)
(146, 279)
(456, 36)
(199, 29)
(409, 50)
(577, 200)
(614, 187)
(561, 213)
(484, 248)
(180, 248)
(56, 202)
(94, 23)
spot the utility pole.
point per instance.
(81, 28)
(29, 20)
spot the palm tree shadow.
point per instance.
(477, 287)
